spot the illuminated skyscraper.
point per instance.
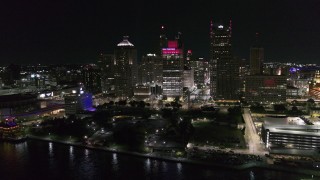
(91, 78)
(106, 63)
(256, 57)
(150, 70)
(163, 39)
(224, 73)
(126, 70)
(172, 56)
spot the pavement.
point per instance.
(252, 138)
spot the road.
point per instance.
(251, 136)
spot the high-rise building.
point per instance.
(198, 66)
(106, 63)
(163, 39)
(188, 71)
(173, 64)
(256, 57)
(126, 70)
(224, 73)
(91, 78)
(188, 77)
(150, 70)
(189, 59)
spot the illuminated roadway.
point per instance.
(251, 136)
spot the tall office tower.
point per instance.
(243, 72)
(126, 70)
(150, 70)
(188, 71)
(224, 72)
(163, 40)
(91, 78)
(173, 64)
(106, 63)
(198, 66)
(256, 57)
(189, 59)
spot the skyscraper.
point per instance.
(125, 68)
(224, 73)
(172, 56)
(150, 70)
(91, 78)
(106, 63)
(198, 66)
(256, 57)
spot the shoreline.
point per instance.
(288, 169)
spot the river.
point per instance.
(45, 160)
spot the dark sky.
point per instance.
(53, 31)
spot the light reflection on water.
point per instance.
(115, 164)
(164, 166)
(71, 155)
(251, 175)
(23, 160)
(147, 165)
(50, 149)
(20, 148)
(179, 168)
(86, 153)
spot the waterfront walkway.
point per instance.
(185, 160)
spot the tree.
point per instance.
(141, 104)
(186, 129)
(294, 102)
(311, 101)
(122, 102)
(294, 108)
(133, 103)
(279, 107)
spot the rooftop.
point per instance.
(125, 42)
(270, 121)
(295, 129)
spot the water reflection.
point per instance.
(179, 168)
(71, 152)
(86, 153)
(115, 164)
(164, 166)
(21, 147)
(147, 165)
(35, 163)
(251, 175)
(50, 149)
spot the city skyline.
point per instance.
(39, 32)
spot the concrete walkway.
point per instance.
(185, 160)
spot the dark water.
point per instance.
(42, 160)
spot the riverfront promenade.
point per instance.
(185, 160)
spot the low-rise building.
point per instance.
(266, 88)
(290, 133)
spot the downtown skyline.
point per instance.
(76, 32)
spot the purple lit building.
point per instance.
(77, 102)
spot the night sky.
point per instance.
(45, 31)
